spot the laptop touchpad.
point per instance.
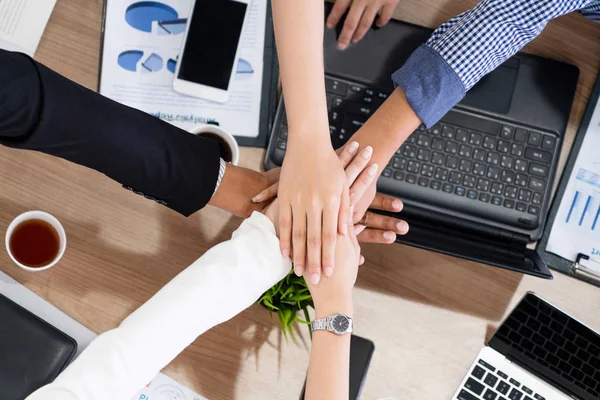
(501, 83)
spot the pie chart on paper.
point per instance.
(135, 61)
(142, 14)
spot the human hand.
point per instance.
(379, 228)
(313, 207)
(237, 188)
(360, 18)
(333, 294)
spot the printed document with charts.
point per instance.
(576, 227)
(142, 42)
(22, 23)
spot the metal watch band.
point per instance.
(321, 324)
(327, 324)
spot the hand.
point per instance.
(360, 18)
(237, 188)
(333, 294)
(380, 228)
(313, 207)
(360, 180)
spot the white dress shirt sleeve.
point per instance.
(224, 281)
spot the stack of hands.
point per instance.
(341, 249)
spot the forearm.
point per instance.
(222, 283)
(299, 37)
(41, 110)
(388, 128)
(464, 49)
(329, 365)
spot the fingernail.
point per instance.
(329, 25)
(298, 270)
(367, 152)
(397, 204)
(342, 46)
(328, 271)
(257, 198)
(285, 252)
(372, 170)
(388, 235)
(314, 278)
(353, 147)
(352, 197)
(359, 229)
(402, 227)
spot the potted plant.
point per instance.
(287, 298)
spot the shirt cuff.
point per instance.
(222, 168)
(431, 86)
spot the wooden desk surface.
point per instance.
(428, 314)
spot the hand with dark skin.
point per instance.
(240, 184)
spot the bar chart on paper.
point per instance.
(576, 227)
(584, 210)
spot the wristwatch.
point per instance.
(339, 324)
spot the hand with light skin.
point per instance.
(360, 18)
(379, 228)
(360, 180)
(329, 366)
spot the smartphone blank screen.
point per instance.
(214, 33)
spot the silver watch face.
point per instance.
(340, 323)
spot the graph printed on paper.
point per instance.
(584, 210)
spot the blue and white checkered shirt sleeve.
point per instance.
(461, 51)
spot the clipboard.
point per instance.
(270, 82)
(574, 269)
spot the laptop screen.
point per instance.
(553, 346)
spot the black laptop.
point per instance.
(477, 185)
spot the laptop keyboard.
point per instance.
(488, 383)
(548, 337)
(499, 171)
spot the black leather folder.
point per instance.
(32, 352)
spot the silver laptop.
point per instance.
(538, 353)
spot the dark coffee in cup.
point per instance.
(229, 149)
(224, 148)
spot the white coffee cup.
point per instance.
(226, 137)
(37, 215)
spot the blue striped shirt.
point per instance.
(461, 51)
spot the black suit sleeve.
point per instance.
(41, 110)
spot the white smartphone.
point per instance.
(210, 49)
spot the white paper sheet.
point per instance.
(576, 227)
(161, 388)
(140, 55)
(165, 388)
(22, 23)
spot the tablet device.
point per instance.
(32, 352)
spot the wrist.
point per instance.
(314, 135)
(236, 190)
(344, 305)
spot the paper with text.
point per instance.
(22, 23)
(142, 42)
(576, 227)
